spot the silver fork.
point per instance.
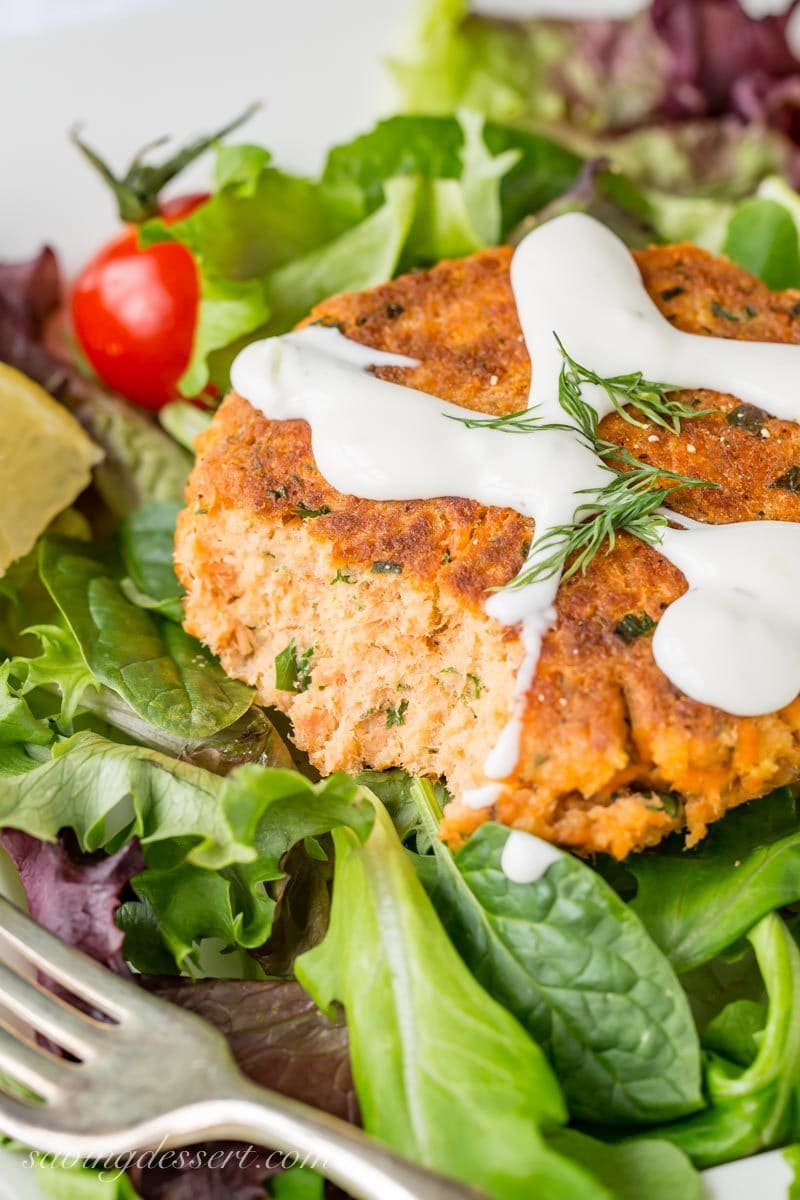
(152, 1076)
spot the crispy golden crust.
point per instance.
(605, 733)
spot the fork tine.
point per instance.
(29, 1065)
(47, 1013)
(77, 972)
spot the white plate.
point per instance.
(184, 67)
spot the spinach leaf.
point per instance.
(753, 1107)
(443, 1074)
(252, 738)
(762, 237)
(734, 1034)
(697, 903)
(165, 675)
(146, 540)
(575, 966)
(724, 980)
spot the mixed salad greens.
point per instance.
(601, 1033)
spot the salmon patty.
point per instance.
(383, 602)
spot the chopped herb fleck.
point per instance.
(473, 689)
(381, 567)
(278, 493)
(750, 312)
(670, 804)
(394, 310)
(449, 671)
(632, 627)
(447, 558)
(747, 417)
(724, 314)
(794, 311)
(396, 716)
(342, 577)
(672, 293)
(301, 510)
(790, 481)
(293, 669)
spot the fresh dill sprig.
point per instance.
(657, 402)
(526, 420)
(629, 501)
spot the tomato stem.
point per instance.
(137, 191)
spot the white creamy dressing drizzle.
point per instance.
(525, 858)
(733, 640)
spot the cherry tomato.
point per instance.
(135, 311)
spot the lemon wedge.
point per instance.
(46, 461)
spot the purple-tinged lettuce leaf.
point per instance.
(278, 1036)
(721, 59)
(30, 293)
(280, 1040)
(690, 95)
(75, 895)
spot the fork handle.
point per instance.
(360, 1164)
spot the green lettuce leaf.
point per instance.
(792, 1156)
(60, 1181)
(441, 1070)
(493, 174)
(269, 246)
(59, 665)
(697, 903)
(576, 967)
(165, 675)
(633, 1170)
(142, 463)
(757, 1106)
(298, 1183)
(18, 724)
(184, 422)
(210, 844)
(359, 258)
